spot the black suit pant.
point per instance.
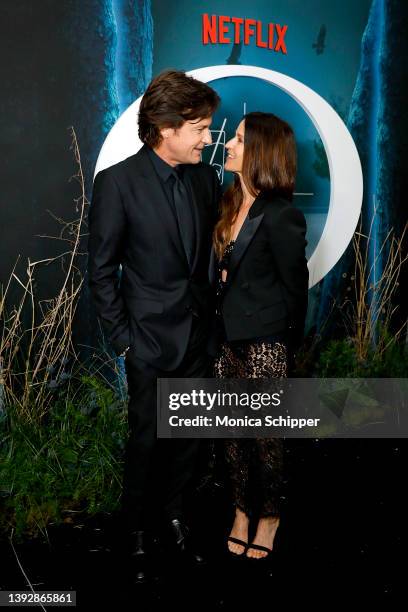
(158, 471)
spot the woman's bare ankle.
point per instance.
(240, 516)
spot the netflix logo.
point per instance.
(224, 30)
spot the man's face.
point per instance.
(185, 144)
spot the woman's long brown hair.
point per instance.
(268, 167)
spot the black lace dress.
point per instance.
(254, 466)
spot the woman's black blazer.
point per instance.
(267, 283)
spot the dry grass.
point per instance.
(34, 357)
(368, 312)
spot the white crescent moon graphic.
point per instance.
(346, 177)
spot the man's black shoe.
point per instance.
(181, 542)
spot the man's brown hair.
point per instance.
(171, 99)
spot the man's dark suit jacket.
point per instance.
(267, 281)
(133, 224)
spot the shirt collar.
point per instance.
(163, 169)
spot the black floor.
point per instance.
(340, 541)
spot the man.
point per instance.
(154, 214)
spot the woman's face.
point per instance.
(235, 150)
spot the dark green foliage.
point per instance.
(339, 359)
(68, 465)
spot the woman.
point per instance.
(262, 291)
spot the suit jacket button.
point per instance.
(248, 313)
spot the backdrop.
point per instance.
(83, 63)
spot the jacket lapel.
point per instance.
(246, 234)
